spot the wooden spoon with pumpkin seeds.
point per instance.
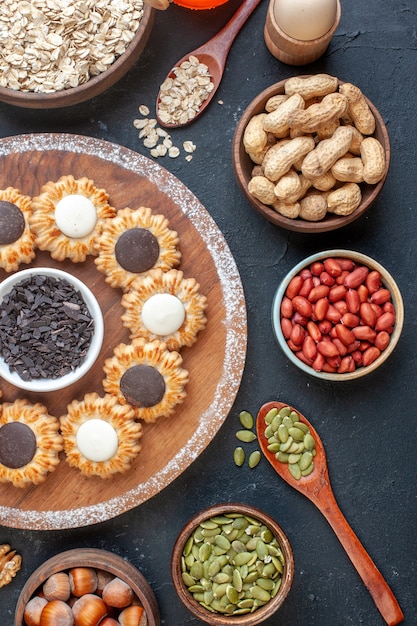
(316, 486)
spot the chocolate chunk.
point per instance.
(142, 386)
(17, 444)
(45, 328)
(12, 223)
(137, 250)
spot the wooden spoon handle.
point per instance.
(366, 568)
(222, 42)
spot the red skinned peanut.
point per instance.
(370, 355)
(294, 287)
(286, 327)
(321, 291)
(385, 321)
(356, 277)
(373, 281)
(320, 308)
(380, 296)
(286, 307)
(382, 340)
(314, 331)
(350, 320)
(332, 267)
(307, 286)
(352, 301)
(297, 334)
(327, 349)
(367, 314)
(302, 305)
(309, 348)
(364, 333)
(345, 335)
(326, 279)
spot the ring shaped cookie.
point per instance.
(154, 363)
(134, 242)
(17, 241)
(185, 290)
(49, 236)
(118, 422)
(42, 443)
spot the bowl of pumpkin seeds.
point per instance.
(232, 564)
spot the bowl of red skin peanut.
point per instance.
(338, 315)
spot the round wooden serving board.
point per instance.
(215, 363)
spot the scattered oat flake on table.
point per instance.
(157, 139)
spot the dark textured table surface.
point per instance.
(368, 427)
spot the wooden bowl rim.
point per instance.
(331, 221)
(98, 559)
(95, 85)
(218, 619)
(387, 279)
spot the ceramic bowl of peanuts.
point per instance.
(338, 315)
(86, 587)
(311, 153)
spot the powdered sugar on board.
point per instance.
(234, 321)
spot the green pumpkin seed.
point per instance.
(260, 594)
(188, 546)
(302, 426)
(282, 456)
(270, 415)
(283, 433)
(222, 542)
(285, 411)
(274, 447)
(246, 419)
(294, 470)
(239, 456)
(287, 445)
(308, 470)
(247, 436)
(204, 552)
(232, 594)
(243, 558)
(237, 580)
(276, 423)
(305, 460)
(269, 431)
(293, 458)
(296, 433)
(309, 442)
(254, 459)
(266, 583)
(209, 524)
(187, 579)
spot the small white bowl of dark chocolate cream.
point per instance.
(51, 329)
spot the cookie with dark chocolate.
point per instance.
(17, 242)
(30, 443)
(147, 376)
(133, 243)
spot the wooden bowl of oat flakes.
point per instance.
(59, 54)
(292, 110)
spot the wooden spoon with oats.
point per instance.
(192, 82)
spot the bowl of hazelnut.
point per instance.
(311, 153)
(232, 565)
(338, 315)
(86, 586)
